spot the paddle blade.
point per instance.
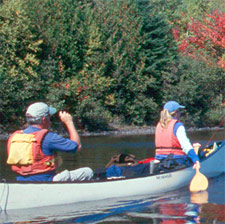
(199, 182)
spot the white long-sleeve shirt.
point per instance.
(183, 139)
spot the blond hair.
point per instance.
(166, 117)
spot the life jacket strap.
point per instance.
(168, 148)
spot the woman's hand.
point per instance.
(196, 147)
(197, 165)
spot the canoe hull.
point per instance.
(31, 195)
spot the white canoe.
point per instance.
(31, 195)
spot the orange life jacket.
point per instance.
(38, 161)
(166, 142)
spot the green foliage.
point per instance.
(216, 114)
(93, 116)
(115, 71)
(19, 45)
(126, 62)
(103, 61)
(131, 59)
(62, 24)
(197, 88)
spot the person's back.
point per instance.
(42, 147)
(171, 138)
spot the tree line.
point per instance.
(112, 62)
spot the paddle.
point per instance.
(199, 182)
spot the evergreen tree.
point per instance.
(158, 46)
(121, 24)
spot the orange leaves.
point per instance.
(175, 32)
(221, 62)
(67, 87)
(61, 67)
(81, 92)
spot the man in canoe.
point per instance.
(31, 152)
(171, 138)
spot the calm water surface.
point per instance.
(175, 207)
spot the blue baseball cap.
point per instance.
(172, 106)
(40, 109)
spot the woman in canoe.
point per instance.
(171, 138)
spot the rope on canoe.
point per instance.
(4, 196)
(213, 135)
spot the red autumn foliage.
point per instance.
(208, 35)
(67, 85)
(176, 33)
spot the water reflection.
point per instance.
(213, 213)
(199, 197)
(165, 210)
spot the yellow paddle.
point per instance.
(199, 182)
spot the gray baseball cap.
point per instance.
(40, 109)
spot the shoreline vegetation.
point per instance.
(133, 130)
(112, 62)
(124, 130)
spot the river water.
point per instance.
(175, 207)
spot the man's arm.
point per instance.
(67, 119)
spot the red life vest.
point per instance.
(41, 163)
(166, 142)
